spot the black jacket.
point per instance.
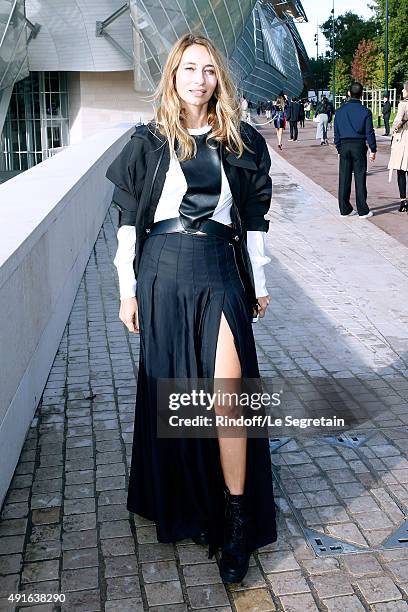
(293, 112)
(139, 172)
(386, 109)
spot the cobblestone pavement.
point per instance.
(336, 326)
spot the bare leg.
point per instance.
(232, 450)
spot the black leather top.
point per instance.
(203, 177)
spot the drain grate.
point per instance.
(345, 439)
(276, 443)
(398, 539)
(325, 545)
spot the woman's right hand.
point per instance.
(128, 314)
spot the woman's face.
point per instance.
(195, 76)
(405, 93)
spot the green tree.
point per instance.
(349, 30)
(343, 77)
(397, 38)
(368, 64)
(321, 71)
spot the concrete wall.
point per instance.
(50, 217)
(67, 38)
(100, 99)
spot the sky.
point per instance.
(318, 11)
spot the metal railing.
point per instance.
(373, 99)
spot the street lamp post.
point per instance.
(333, 63)
(316, 37)
(386, 50)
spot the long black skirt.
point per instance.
(185, 282)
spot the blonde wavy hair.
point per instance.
(224, 113)
(280, 102)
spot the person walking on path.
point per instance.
(330, 113)
(386, 113)
(399, 148)
(192, 188)
(244, 109)
(322, 112)
(279, 119)
(353, 126)
(293, 116)
(301, 114)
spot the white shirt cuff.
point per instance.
(123, 261)
(256, 251)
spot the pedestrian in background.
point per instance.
(386, 113)
(279, 119)
(330, 113)
(293, 116)
(353, 126)
(244, 109)
(399, 148)
(322, 112)
(301, 114)
(308, 108)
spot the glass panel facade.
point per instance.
(158, 24)
(36, 122)
(13, 38)
(258, 43)
(273, 66)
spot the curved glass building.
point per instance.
(67, 70)
(258, 38)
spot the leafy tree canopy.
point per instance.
(321, 72)
(397, 38)
(349, 30)
(343, 78)
(368, 64)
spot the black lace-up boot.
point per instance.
(234, 559)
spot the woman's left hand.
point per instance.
(263, 305)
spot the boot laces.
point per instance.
(235, 527)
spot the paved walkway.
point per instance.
(337, 325)
(320, 163)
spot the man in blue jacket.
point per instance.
(353, 128)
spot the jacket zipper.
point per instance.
(237, 267)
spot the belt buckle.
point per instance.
(193, 232)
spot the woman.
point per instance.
(322, 111)
(279, 119)
(399, 149)
(193, 188)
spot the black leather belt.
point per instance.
(168, 226)
(217, 229)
